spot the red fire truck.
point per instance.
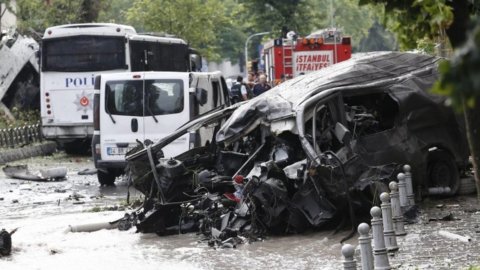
(296, 56)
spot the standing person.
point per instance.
(262, 86)
(238, 92)
(250, 80)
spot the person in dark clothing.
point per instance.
(262, 86)
(250, 80)
(238, 91)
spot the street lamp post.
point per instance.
(246, 46)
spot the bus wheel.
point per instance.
(106, 178)
(442, 171)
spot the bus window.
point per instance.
(83, 53)
(159, 56)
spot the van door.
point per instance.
(121, 115)
(166, 109)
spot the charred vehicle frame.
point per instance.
(312, 153)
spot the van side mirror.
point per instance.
(201, 96)
(196, 62)
(342, 133)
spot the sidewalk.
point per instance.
(424, 248)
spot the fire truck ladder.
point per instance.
(287, 59)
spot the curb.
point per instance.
(45, 148)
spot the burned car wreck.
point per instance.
(312, 153)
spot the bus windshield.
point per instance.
(83, 53)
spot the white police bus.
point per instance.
(71, 57)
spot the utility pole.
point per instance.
(246, 46)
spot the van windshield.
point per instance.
(144, 98)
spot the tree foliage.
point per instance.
(460, 78)
(195, 21)
(115, 11)
(378, 39)
(218, 28)
(306, 16)
(414, 20)
(38, 15)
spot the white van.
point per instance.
(140, 106)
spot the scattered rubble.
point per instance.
(19, 73)
(88, 171)
(22, 172)
(6, 242)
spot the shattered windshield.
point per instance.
(126, 97)
(83, 53)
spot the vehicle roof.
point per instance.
(362, 70)
(158, 38)
(116, 75)
(85, 28)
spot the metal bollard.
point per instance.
(365, 242)
(402, 190)
(408, 182)
(398, 223)
(388, 231)
(349, 262)
(379, 250)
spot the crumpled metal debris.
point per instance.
(312, 153)
(6, 242)
(22, 172)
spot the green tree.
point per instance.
(233, 33)
(306, 16)
(38, 15)
(273, 15)
(378, 39)
(415, 20)
(356, 21)
(460, 81)
(115, 11)
(195, 21)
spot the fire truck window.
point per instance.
(370, 113)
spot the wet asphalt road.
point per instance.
(42, 212)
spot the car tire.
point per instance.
(442, 171)
(106, 178)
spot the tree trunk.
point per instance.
(457, 31)
(457, 34)
(472, 122)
